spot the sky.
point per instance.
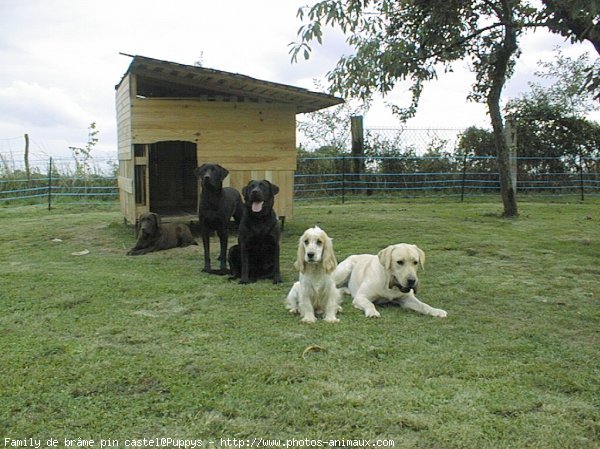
(60, 63)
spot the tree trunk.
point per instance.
(500, 67)
(509, 197)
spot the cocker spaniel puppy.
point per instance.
(315, 292)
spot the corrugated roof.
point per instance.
(157, 78)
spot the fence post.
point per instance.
(358, 146)
(343, 178)
(26, 157)
(464, 178)
(510, 133)
(50, 185)
(581, 182)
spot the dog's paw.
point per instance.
(245, 281)
(293, 311)
(308, 320)
(331, 320)
(439, 313)
(372, 313)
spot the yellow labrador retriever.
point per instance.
(390, 276)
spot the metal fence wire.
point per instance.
(330, 177)
(400, 162)
(460, 176)
(56, 187)
(430, 162)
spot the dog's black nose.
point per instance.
(310, 255)
(411, 282)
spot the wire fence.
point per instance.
(457, 176)
(334, 177)
(56, 186)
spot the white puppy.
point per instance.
(315, 292)
(390, 276)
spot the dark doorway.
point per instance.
(172, 182)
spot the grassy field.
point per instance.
(104, 346)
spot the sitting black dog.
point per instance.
(256, 256)
(217, 205)
(154, 236)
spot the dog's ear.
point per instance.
(199, 170)
(246, 191)
(421, 256)
(138, 227)
(385, 257)
(274, 188)
(223, 172)
(329, 260)
(156, 220)
(299, 264)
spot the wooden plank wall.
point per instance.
(123, 105)
(245, 136)
(284, 179)
(251, 140)
(126, 165)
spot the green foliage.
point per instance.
(551, 119)
(575, 19)
(568, 89)
(109, 346)
(83, 155)
(330, 127)
(476, 141)
(412, 41)
(578, 20)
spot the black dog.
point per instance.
(257, 254)
(217, 206)
(154, 236)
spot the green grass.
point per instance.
(109, 346)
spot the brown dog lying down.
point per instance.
(154, 236)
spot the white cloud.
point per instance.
(61, 61)
(33, 105)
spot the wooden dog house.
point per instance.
(172, 118)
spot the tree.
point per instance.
(578, 20)
(83, 155)
(414, 39)
(575, 19)
(329, 128)
(476, 141)
(479, 143)
(551, 119)
(570, 78)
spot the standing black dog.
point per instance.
(256, 255)
(217, 205)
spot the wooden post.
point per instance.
(50, 185)
(343, 178)
(581, 181)
(358, 146)
(27, 173)
(464, 178)
(510, 134)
